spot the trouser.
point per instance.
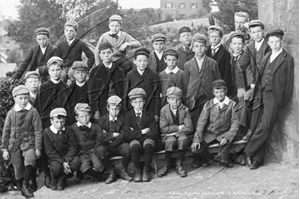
(148, 147)
(57, 169)
(255, 147)
(223, 151)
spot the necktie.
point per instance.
(213, 51)
(83, 128)
(138, 118)
(114, 36)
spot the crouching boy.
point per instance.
(61, 149)
(111, 139)
(22, 138)
(218, 123)
(176, 128)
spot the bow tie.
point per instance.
(114, 35)
(84, 128)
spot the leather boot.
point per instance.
(47, 181)
(146, 175)
(61, 184)
(179, 169)
(164, 170)
(111, 176)
(137, 175)
(25, 191)
(124, 175)
(53, 184)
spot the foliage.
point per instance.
(14, 56)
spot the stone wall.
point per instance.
(284, 142)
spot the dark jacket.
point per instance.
(238, 76)
(184, 56)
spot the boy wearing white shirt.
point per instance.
(156, 61)
(32, 81)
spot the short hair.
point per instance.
(58, 117)
(215, 30)
(242, 14)
(134, 98)
(220, 88)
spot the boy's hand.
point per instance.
(195, 146)
(124, 46)
(97, 115)
(171, 134)
(5, 154)
(223, 141)
(180, 127)
(67, 169)
(116, 134)
(241, 92)
(146, 130)
(37, 153)
(156, 118)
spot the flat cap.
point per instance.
(58, 112)
(79, 65)
(72, 23)
(254, 23)
(114, 99)
(199, 38)
(82, 107)
(104, 46)
(142, 51)
(32, 74)
(54, 59)
(158, 37)
(215, 27)
(238, 35)
(137, 92)
(174, 92)
(116, 18)
(42, 31)
(276, 32)
(171, 52)
(184, 29)
(19, 90)
(218, 83)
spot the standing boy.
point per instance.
(32, 81)
(185, 49)
(177, 130)
(22, 139)
(156, 61)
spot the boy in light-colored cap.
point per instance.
(33, 83)
(156, 59)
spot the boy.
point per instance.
(71, 48)
(61, 149)
(32, 81)
(38, 55)
(217, 52)
(172, 75)
(274, 88)
(22, 139)
(218, 123)
(143, 133)
(177, 130)
(105, 80)
(120, 41)
(156, 61)
(86, 134)
(143, 77)
(111, 139)
(77, 92)
(185, 49)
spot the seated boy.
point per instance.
(22, 139)
(218, 123)
(86, 134)
(172, 75)
(111, 139)
(105, 79)
(177, 130)
(33, 82)
(185, 50)
(156, 61)
(143, 134)
(61, 149)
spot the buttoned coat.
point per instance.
(184, 56)
(153, 63)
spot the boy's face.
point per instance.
(70, 32)
(275, 43)
(113, 110)
(236, 45)
(214, 37)
(185, 38)
(55, 71)
(158, 46)
(199, 48)
(174, 102)
(80, 75)
(141, 62)
(83, 117)
(105, 55)
(219, 94)
(171, 61)
(22, 100)
(138, 103)
(257, 33)
(42, 40)
(58, 122)
(114, 27)
(32, 84)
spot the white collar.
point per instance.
(54, 130)
(237, 55)
(140, 72)
(70, 42)
(119, 33)
(108, 66)
(258, 44)
(278, 52)
(175, 70)
(27, 107)
(32, 94)
(201, 60)
(112, 119)
(173, 110)
(216, 47)
(225, 101)
(79, 124)
(55, 81)
(159, 55)
(80, 84)
(43, 49)
(136, 112)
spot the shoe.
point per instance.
(196, 163)
(248, 160)
(163, 171)
(26, 192)
(223, 162)
(240, 159)
(255, 165)
(146, 175)
(124, 175)
(61, 184)
(53, 184)
(47, 182)
(204, 162)
(137, 175)
(111, 176)
(179, 169)
(33, 186)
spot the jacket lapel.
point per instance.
(204, 66)
(281, 58)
